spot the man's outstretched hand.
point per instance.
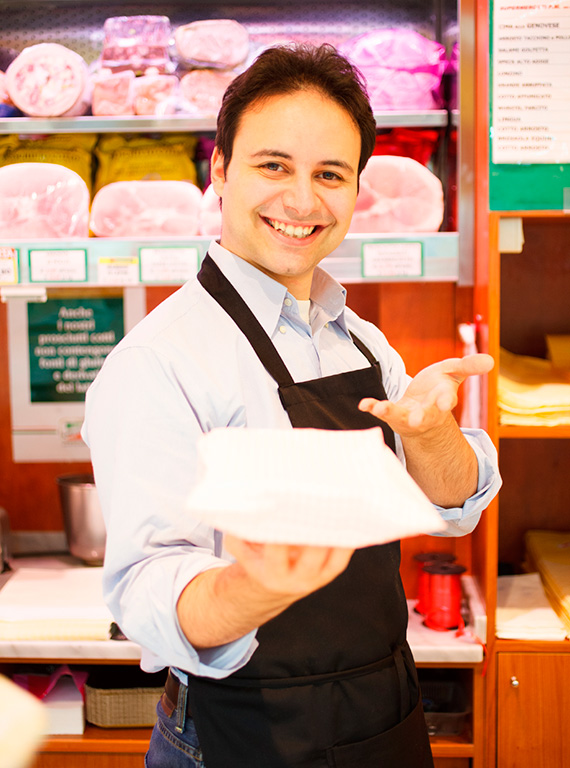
(430, 396)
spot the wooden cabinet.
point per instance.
(533, 704)
(518, 299)
(419, 318)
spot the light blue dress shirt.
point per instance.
(183, 370)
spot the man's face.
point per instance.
(290, 187)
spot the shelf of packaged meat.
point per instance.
(406, 257)
(434, 118)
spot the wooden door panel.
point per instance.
(533, 710)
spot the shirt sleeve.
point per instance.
(142, 436)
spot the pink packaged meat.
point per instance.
(397, 194)
(202, 90)
(155, 94)
(218, 43)
(113, 93)
(137, 43)
(402, 68)
(210, 213)
(49, 80)
(42, 200)
(146, 209)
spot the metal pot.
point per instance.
(82, 518)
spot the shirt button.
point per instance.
(287, 302)
(326, 325)
(282, 329)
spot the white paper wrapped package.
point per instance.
(42, 200)
(202, 90)
(210, 213)
(402, 68)
(113, 93)
(338, 488)
(146, 209)
(49, 80)
(219, 43)
(397, 194)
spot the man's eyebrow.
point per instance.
(279, 153)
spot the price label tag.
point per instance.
(112, 271)
(8, 265)
(173, 264)
(58, 265)
(392, 260)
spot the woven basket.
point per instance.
(120, 707)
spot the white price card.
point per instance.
(111, 271)
(392, 260)
(58, 265)
(8, 265)
(531, 87)
(174, 264)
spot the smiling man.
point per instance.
(279, 656)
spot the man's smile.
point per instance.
(291, 230)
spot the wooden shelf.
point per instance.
(531, 646)
(534, 432)
(452, 746)
(115, 740)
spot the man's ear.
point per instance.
(217, 174)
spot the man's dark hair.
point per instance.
(285, 69)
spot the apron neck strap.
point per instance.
(213, 280)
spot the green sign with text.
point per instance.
(68, 342)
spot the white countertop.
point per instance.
(428, 645)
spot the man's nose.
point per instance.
(300, 197)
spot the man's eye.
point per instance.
(330, 176)
(273, 166)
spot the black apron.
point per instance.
(332, 683)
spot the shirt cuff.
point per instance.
(462, 520)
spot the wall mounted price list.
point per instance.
(531, 82)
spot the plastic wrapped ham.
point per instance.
(137, 43)
(49, 80)
(218, 43)
(402, 68)
(210, 213)
(146, 209)
(155, 94)
(113, 93)
(202, 90)
(42, 200)
(397, 194)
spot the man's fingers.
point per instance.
(470, 365)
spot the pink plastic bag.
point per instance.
(402, 68)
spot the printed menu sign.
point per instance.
(68, 342)
(531, 86)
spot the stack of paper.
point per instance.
(54, 604)
(329, 488)
(532, 392)
(549, 553)
(524, 612)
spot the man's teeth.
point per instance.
(290, 230)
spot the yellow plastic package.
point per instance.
(74, 151)
(136, 158)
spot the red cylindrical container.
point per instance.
(423, 559)
(444, 609)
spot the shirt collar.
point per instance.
(265, 296)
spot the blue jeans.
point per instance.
(170, 749)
